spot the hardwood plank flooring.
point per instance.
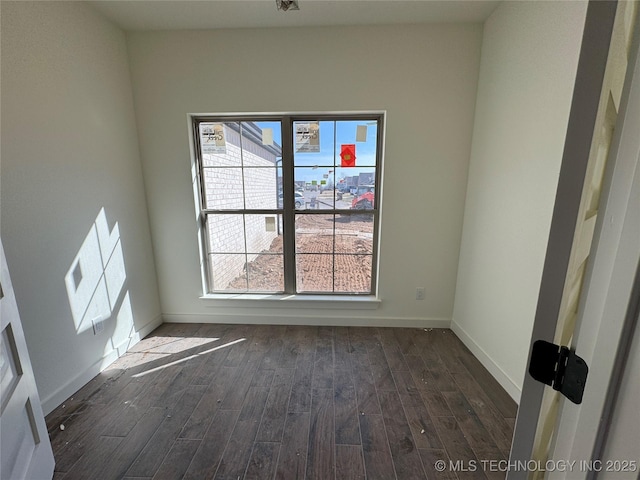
(292, 462)
(375, 446)
(263, 461)
(177, 460)
(320, 459)
(349, 464)
(207, 401)
(345, 410)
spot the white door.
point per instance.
(593, 248)
(620, 445)
(607, 336)
(25, 450)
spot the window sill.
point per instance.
(343, 302)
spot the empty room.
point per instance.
(278, 239)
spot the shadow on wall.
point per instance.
(96, 286)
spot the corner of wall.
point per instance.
(512, 388)
(56, 398)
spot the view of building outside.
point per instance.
(241, 175)
(334, 224)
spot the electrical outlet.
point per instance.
(98, 326)
(420, 293)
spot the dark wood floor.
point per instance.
(235, 402)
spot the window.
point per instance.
(289, 204)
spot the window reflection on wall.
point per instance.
(95, 281)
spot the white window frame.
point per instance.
(287, 210)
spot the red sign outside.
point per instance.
(348, 155)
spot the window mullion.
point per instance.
(333, 252)
(289, 234)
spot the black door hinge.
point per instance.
(560, 368)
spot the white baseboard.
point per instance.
(137, 336)
(50, 403)
(65, 391)
(494, 369)
(150, 327)
(314, 320)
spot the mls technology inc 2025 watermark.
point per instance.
(619, 466)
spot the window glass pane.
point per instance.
(319, 192)
(266, 273)
(263, 233)
(354, 185)
(228, 272)
(301, 198)
(363, 197)
(261, 188)
(261, 157)
(313, 143)
(225, 233)
(220, 144)
(353, 273)
(261, 144)
(359, 136)
(314, 233)
(314, 273)
(354, 234)
(223, 188)
(263, 261)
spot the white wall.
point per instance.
(69, 150)
(423, 76)
(527, 71)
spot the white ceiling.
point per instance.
(136, 15)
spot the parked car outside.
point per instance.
(299, 201)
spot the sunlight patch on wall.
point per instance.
(124, 332)
(96, 278)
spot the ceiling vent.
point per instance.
(285, 5)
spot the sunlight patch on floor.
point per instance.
(155, 348)
(185, 359)
(180, 344)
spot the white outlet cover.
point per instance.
(98, 326)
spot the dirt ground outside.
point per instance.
(332, 255)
